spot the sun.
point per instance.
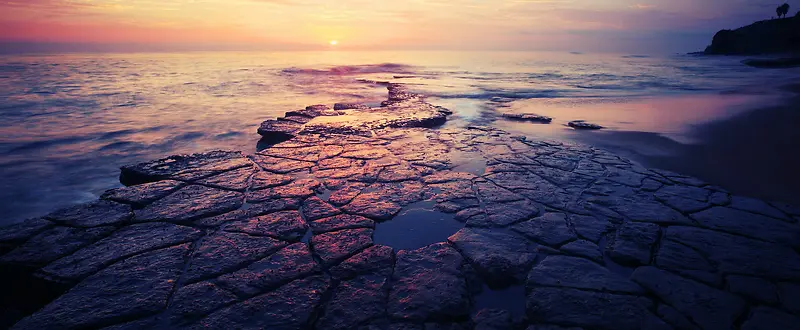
(334, 42)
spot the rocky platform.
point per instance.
(403, 109)
(296, 237)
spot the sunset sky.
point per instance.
(581, 25)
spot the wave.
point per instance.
(354, 69)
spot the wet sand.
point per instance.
(752, 153)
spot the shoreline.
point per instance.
(749, 153)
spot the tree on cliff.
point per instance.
(782, 10)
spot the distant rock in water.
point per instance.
(764, 37)
(580, 124)
(778, 63)
(402, 109)
(527, 117)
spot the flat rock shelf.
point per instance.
(283, 239)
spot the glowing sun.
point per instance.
(334, 42)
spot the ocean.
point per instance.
(68, 122)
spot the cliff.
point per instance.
(765, 37)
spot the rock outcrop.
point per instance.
(773, 36)
(286, 238)
(532, 117)
(403, 109)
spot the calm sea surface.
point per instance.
(67, 122)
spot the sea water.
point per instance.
(69, 121)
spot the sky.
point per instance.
(645, 26)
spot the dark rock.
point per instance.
(786, 208)
(298, 189)
(708, 307)
(314, 208)
(651, 185)
(634, 243)
(252, 210)
(790, 296)
(398, 174)
(340, 222)
(595, 310)
(197, 300)
(290, 307)
(675, 318)
(628, 178)
(366, 153)
(739, 255)
(191, 203)
(505, 214)
(312, 111)
(765, 318)
(502, 259)
(679, 257)
(13, 235)
(580, 124)
(550, 229)
(550, 327)
(448, 176)
(183, 167)
(279, 129)
(376, 259)
(337, 246)
(354, 302)
(753, 288)
(284, 225)
(757, 206)
(311, 153)
(400, 113)
(100, 213)
(281, 165)
(293, 262)
(719, 198)
(236, 180)
(223, 252)
(53, 244)
(428, 285)
(373, 206)
(143, 194)
(263, 180)
(590, 228)
(121, 244)
(349, 106)
(583, 248)
(652, 322)
(578, 273)
(148, 322)
(685, 205)
(763, 37)
(129, 289)
(750, 225)
(528, 117)
(295, 119)
(690, 192)
(493, 319)
(644, 210)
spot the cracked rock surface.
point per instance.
(283, 239)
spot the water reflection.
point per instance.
(418, 225)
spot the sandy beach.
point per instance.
(753, 153)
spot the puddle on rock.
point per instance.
(469, 162)
(417, 226)
(511, 299)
